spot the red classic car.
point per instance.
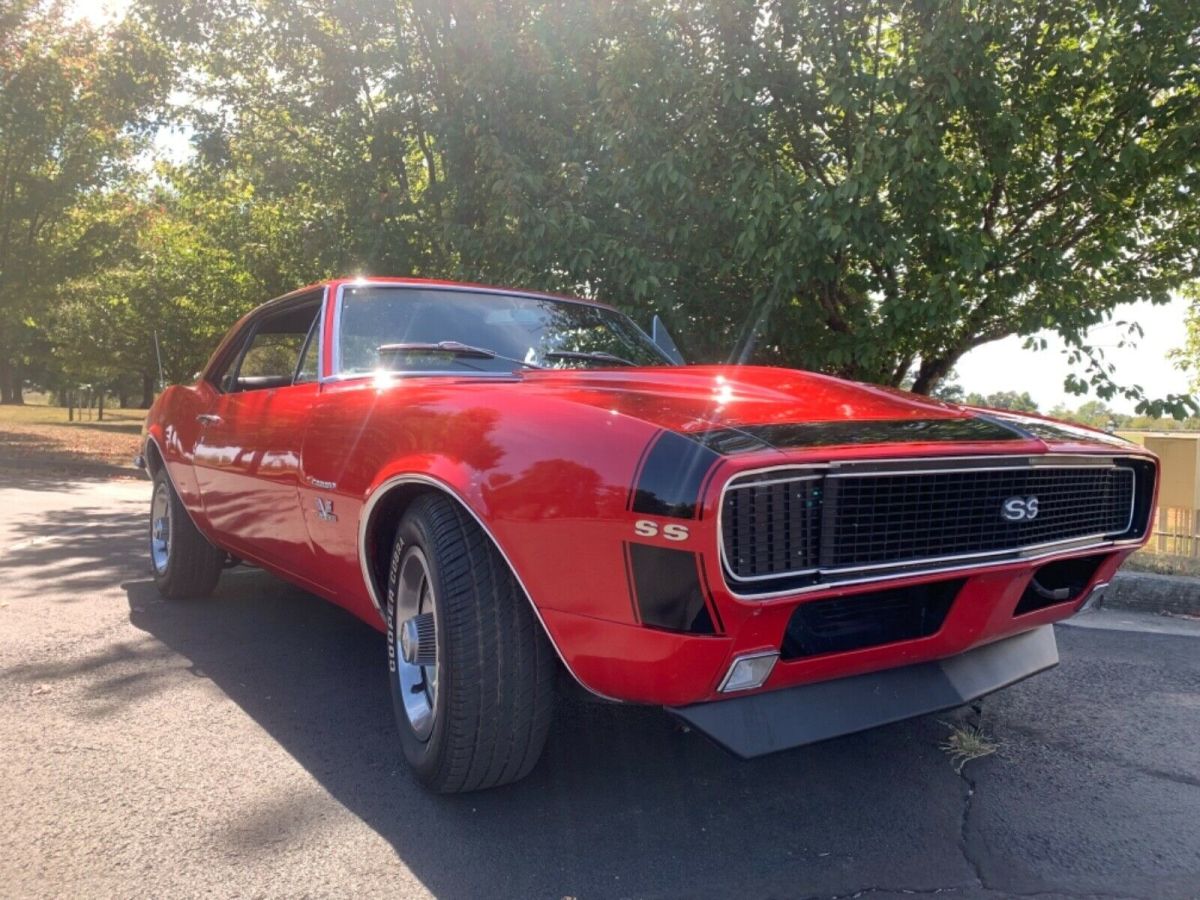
(514, 484)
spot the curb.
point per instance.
(1146, 592)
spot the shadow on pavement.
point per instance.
(79, 550)
(622, 803)
(1094, 789)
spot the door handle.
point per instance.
(208, 419)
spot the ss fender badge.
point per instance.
(325, 510)
(672, 532)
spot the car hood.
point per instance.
(783, 408)
(699, 398)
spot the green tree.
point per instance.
(950, 390)
(177, 280)
(1094, 413)
(1187, 357)
(868, 188)
(75, 105)
(1018, 402)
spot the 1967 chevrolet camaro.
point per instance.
(514, 485)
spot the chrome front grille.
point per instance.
(772, 527)
(793, 527)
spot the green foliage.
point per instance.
(867, 188)
(1098, 414)
(1021, 402)
(1094, 413)
(1187, 357)
(174, 277)
(949, 389)
(75, 106)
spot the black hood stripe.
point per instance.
(675, 467)
(787, 436)
(670, 480)
(637, 471)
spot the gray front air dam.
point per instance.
(778, 720)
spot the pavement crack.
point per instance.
(1173, 777)
(977, 869)
(1120, 762)
(964, 845)
(892, 891)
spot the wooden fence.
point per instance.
(1176, 532)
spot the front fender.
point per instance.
(447, 479)
(596, 513)
(171, 432)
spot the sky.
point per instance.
(1006, 366)
(98, 11)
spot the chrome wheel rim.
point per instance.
(160, 527)
(418, 684)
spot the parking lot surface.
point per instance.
(244, 746)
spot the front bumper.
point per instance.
(757, 724)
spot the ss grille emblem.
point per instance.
(1019, 509)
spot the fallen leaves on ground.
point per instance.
(79, 450)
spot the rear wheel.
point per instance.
(472, 675)
(185, 564)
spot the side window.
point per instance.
(272, 356)
(307, 370)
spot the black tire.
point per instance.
(190, 566)
(495, 669)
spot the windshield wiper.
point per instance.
(454, 348)
(592, 355)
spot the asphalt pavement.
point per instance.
(244, 746)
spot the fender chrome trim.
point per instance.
(150, 439)
(364, 522)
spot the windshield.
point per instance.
(393, 328)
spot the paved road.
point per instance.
(244, 747)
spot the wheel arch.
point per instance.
(156, 461)
(153, 455)
(377, 525)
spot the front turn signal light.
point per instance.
(749, 671)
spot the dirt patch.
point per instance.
(76, 451)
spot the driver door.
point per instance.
(248, 455)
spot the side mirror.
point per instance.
(663, 340)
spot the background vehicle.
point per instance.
(499, 478)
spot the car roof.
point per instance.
(402, 281)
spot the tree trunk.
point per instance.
(147, 391)
(10, 382)
(931, 372)
(100, 406)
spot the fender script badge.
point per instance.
(325, 510)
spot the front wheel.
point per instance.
(472, 675)
(185, 564)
